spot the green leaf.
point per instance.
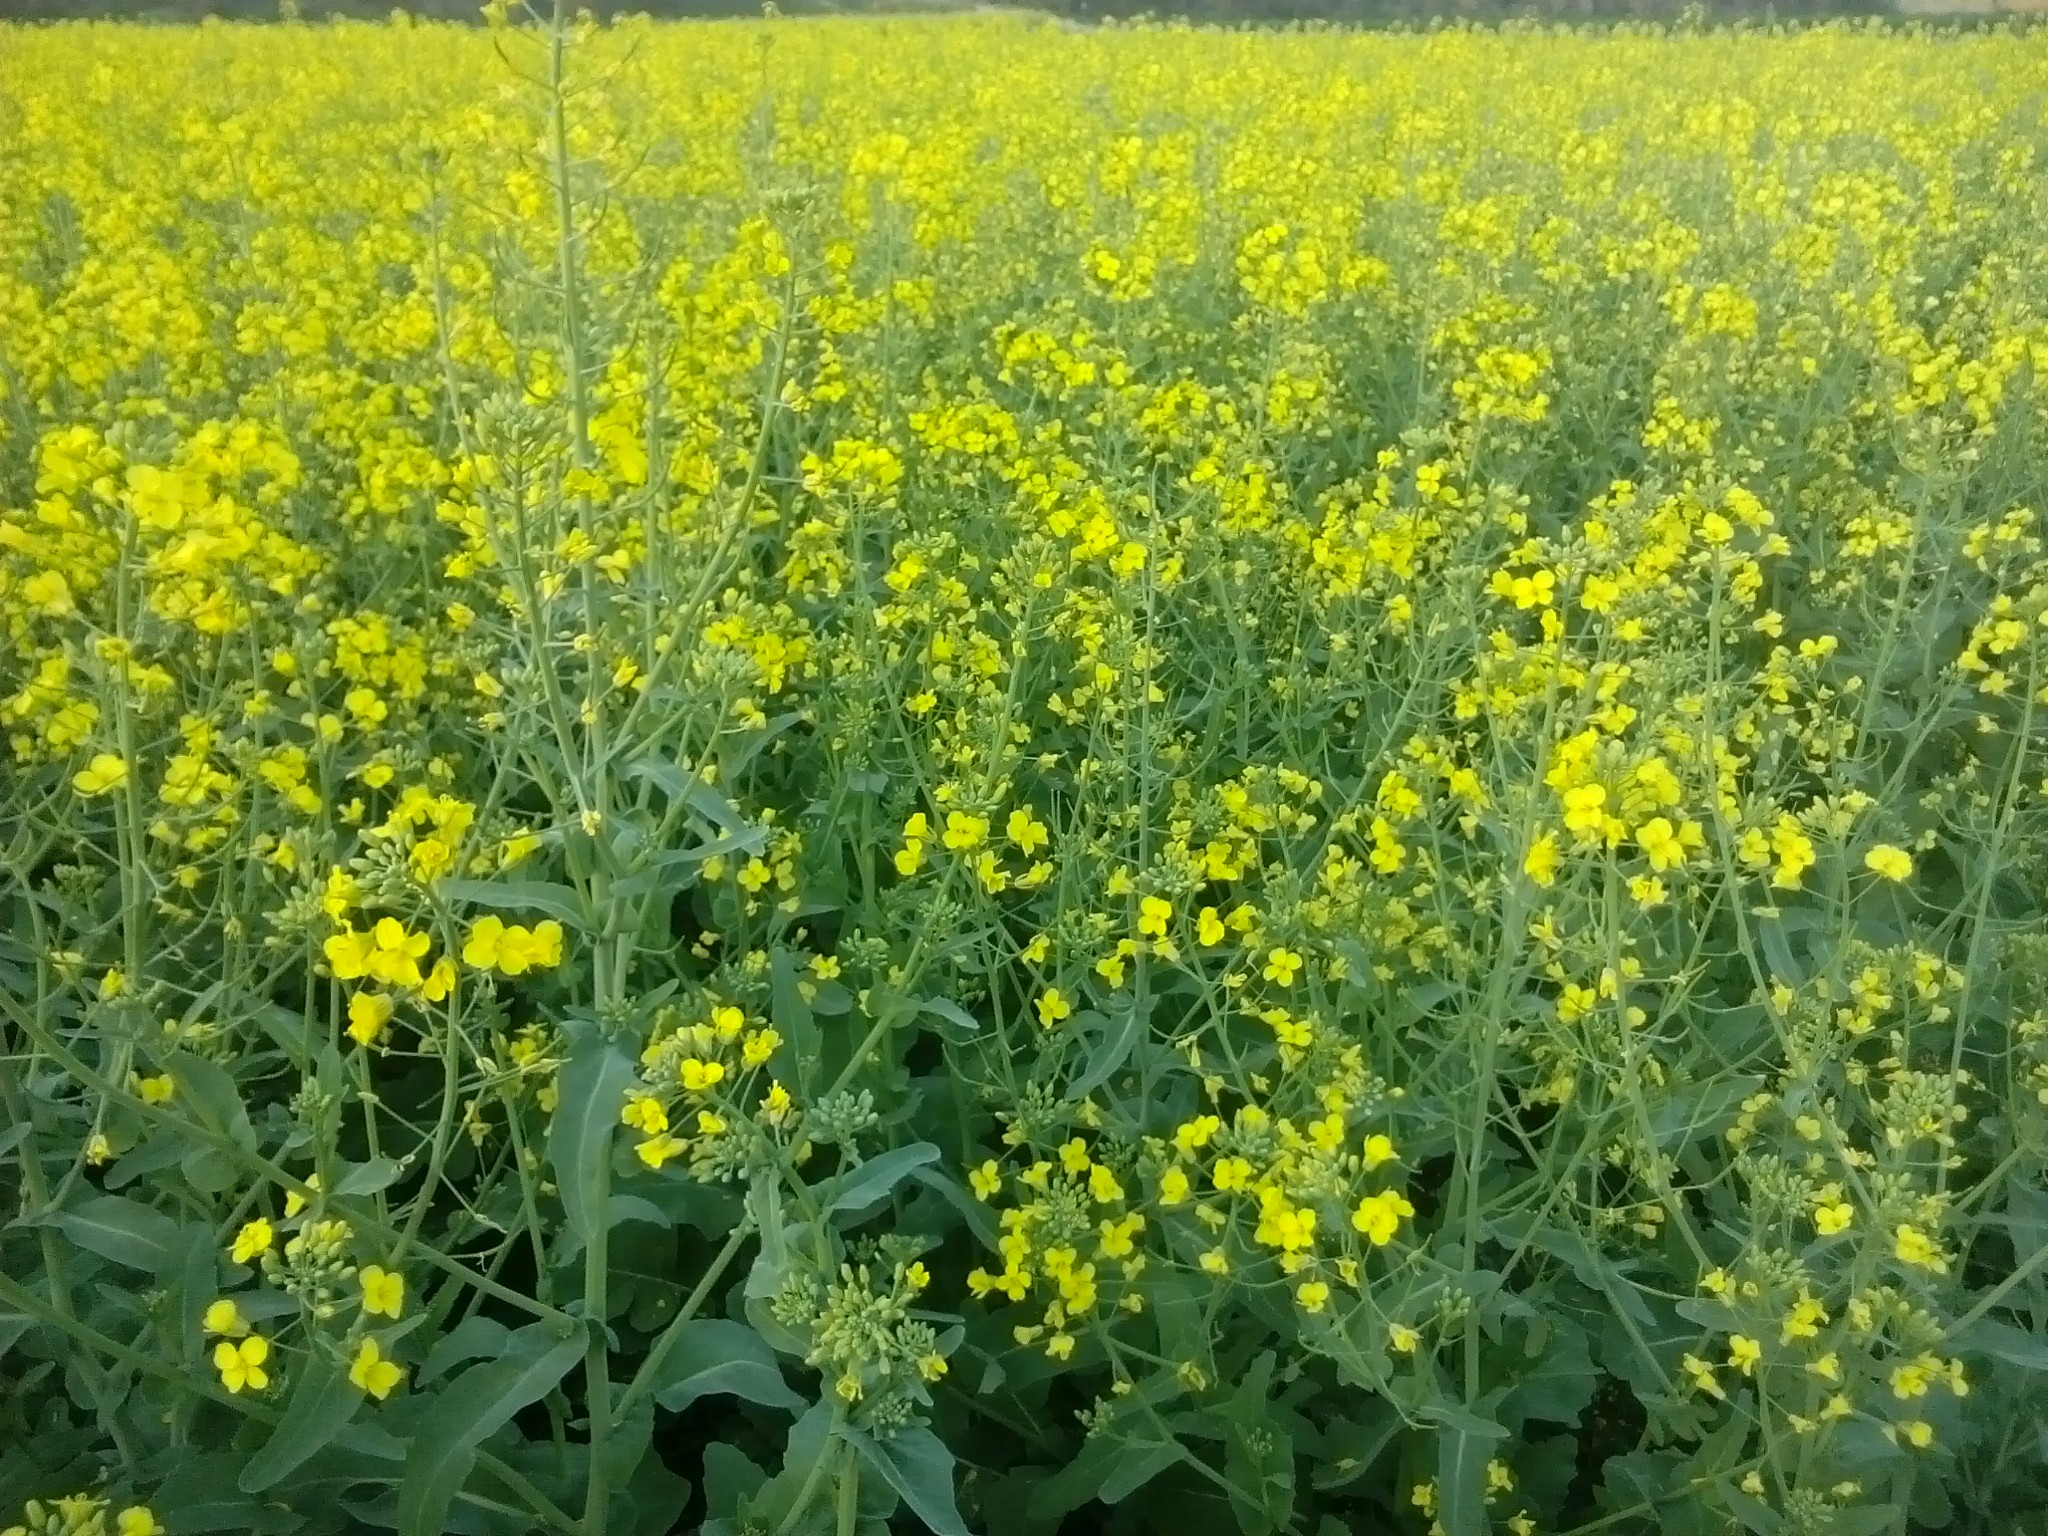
(209, 1095)
(1140, 1463)
(918, 1466)
(1350, 1447)
(470, 1409)
(963, 1025)
(322, 1401)
(471, 1339)
(1464, 1445)
(729, 1477)
(124, 1230)
(557, 901)
(2007, 1343)
(367, 1178)
(593, 1087)
(861, 1187)
(1120, 1034)
(712, 1356)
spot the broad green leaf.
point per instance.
(593, 1087)
(1139, 1464)
(1078, 1481)
(124, 1230)
(1120, 1034)
(470, 1409)
(557, 901)
(1464, 1444)
(729, 1477)
(2012, 1345)
(474, 1338)
(1350, 1447)
(858, 1188)
(711, 1356)
(322, 1401)
(959, 1023)
(916, 1463)
(208, 1094)
(367, 1178)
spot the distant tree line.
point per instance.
(1371, 12)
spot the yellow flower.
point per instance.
(1313, 1295)
(1804, 1320)
(644, 1114)
(383, 1290)
(1744, 1352)
(253, 1240)
(348, 953)
(368, 1013)
(986, 1180)
(1154, 913)
(241, 1365)
(1892, 863)
(964, 832)
(1053, 1007)
(657, 1150)
(700, 1076)
(1378, 1149)
(1379, 1216)
(294, 1202)
(1702, 1376)
(480, 949)
(1026, 831)
(225, 1318)
(136, 1520)
(370, 1372)
(1402, 1339)
(1282, 965)
(1833, 1216)
(1541, 863)
(1915, 1247)
(1209, 928)
(104, 774)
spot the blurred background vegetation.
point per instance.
(1353, 11)
(1356, 12)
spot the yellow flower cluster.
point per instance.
(1398, 729)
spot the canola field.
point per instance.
(876, 776)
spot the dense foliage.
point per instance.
(795, 777)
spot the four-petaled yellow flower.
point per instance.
(1892, 863)
(383, 1290)
(371, 1372)
(253, 1240)
(241, 1365)
(103, 775)
(1053, 1007)
(1379, 1216)
(1282, 966)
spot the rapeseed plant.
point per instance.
(1294, 769)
